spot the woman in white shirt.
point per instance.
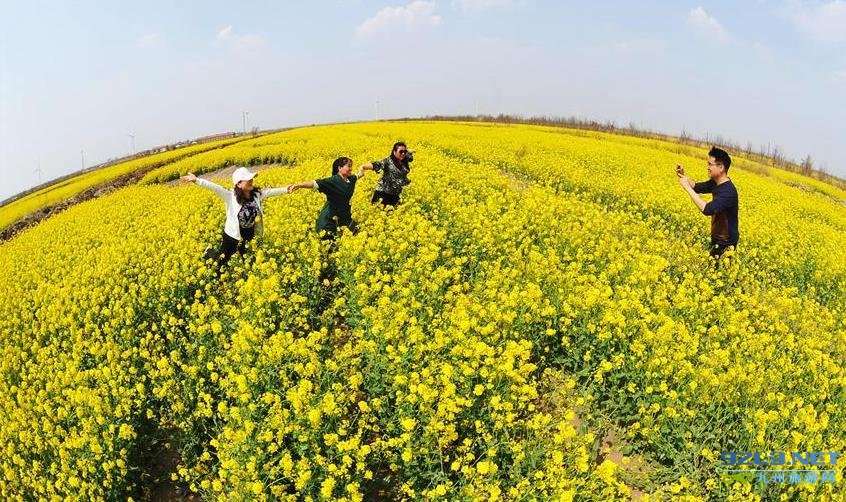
(243, 209)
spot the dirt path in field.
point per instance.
(87, 194)
(101, 190)
(634, 470)
(157, 485)
(226, 172)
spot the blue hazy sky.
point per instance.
(84, 75)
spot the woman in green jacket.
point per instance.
(339, 189)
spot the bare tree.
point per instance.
(807, 165)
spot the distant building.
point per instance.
(214, 137)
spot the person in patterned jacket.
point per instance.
(394, 169)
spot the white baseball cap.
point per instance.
(242, 174)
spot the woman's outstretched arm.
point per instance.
(219, 190)
(273, 192)
(302, 184)
(364, 167)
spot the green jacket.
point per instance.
(338, 194)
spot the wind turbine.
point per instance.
(37, 170)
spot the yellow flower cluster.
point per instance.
(413, 361)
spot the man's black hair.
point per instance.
(721, 156)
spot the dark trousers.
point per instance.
(717, 249)
(328, 234)
(388, 199)
(229, 245)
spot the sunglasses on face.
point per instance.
(402, 152)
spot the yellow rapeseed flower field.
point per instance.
(536, 289)
(68, 188)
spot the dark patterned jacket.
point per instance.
(394, 175)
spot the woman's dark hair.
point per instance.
(339, 163)
(241, 196)
(721, 156)
(394, 158)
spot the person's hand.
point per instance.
(190, 177)
(683, 180)
(290, 188)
